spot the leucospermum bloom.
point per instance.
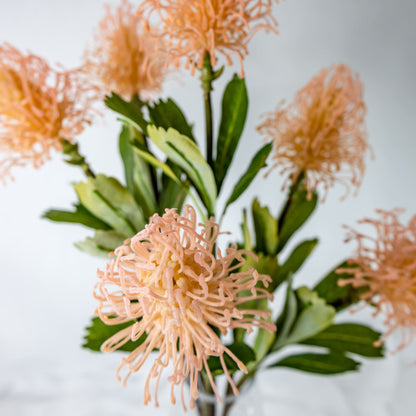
(387, 271)
(38, 107)
(169, 284)
(126, 59)
(322, 132)
(191, 28)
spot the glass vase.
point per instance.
(245, 404)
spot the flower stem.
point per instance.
(74, 157)
(207, 77)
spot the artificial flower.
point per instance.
(192, 28)
(126, 59)
(170, 285)
(39, 107)
(386, 271)
(322, 132)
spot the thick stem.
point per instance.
(207, 77)
(74, 157)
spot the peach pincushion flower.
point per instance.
(387, 270)
(38, 107)
(193, 27)
(168, 280)
(126, 59)
(322, 133)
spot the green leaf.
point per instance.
(314, 316)
(265, 227)
(246, 232)
(294, 261)
(129, 111)
(137, 171)
(348, 337)
(185, 153)
(80, 216)
(121, 199)
(167, 114)
(329, 363)
(340, 297)
(102, 243)
(174, 194)
(286, 319)
(299, 210)
(242, 351)
(257, 163)
(233, 117)
(165, 168)
(102, 208)
(98, 332)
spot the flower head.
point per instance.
(167, 281)
(38, 107)
(126, 59)
(387, 271)
(193, 27)
(322, 132)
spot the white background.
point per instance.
(46, 284)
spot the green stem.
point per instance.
(207, 77)
(74, 157)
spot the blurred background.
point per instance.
(46, 283)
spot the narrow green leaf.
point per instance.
(174, 194)
(294, 261)
(102, 243)
(81, 216)
(121, 199)
(348, 337)
(166, 169)
(168, 114)
(137, 172)
(90, 247)
(102, 208)
(286, 319)
(257, 163)
(314, 316)
(300, 209)
(233, 117)
(185, 153)
(98, 332)
(330, 363)
(265, 227)
(340, 297)
(129, 111)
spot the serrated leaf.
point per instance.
(129, 111)
(330, 363)
(300, 209)
(168, 114)
(348, 337)
(242, 351)
(98, 332)
(233, 117)
(265, 227)
(340, 297)
(185, 153)
(80, 216)
(258, 162)
(137, 172)
(294, 262)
